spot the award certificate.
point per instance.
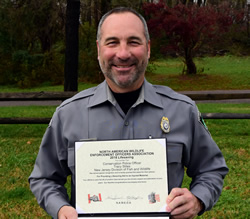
(120, 177)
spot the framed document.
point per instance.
(121, 178)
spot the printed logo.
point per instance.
(153, 198)
(94, 198)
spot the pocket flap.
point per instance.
(174, 152)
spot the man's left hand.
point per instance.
(183, 204)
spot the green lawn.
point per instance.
(27, 111)
(215, 73)
(44, 87)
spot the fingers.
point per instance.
(175, 198)
(67, 212)
(182, 204)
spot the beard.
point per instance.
(131, 76)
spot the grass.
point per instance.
(45, 87)
(233, 138)
(215, 73)
(19, 145)
(27, 111)
(223, 108)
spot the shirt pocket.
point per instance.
(175, 165)
(71, 159)
(175, 151)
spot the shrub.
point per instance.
(187, 29)
(28, 70)
(88, 64)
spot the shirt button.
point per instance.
(126, 123)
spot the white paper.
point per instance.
(122, 176)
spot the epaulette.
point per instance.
(168, 92)
(82, 94)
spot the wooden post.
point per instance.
(72, 45)
(248, 20)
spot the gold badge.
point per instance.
(165, 124)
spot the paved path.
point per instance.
(31, 103)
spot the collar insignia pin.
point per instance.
(165, 126)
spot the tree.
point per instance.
(187, 28)
(72, 46)
(29, 31)
(41, 20)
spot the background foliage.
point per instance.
(188, 29)
(32, 37)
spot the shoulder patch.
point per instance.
(50, 123)
(201, 120)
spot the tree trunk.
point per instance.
(191, 67)
(105, 7)
(96, 13)
(72, 45)
(199, 2)
(88, 13)
(45, 42)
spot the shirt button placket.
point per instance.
(126, 130)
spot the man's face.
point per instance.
(123, 52)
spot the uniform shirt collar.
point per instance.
(103, 94)
(150, 94)
(100, 95)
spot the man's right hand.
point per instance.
(67, 212)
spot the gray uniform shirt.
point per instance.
(94, 113)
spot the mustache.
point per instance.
(120, 62)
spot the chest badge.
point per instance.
(165, 126)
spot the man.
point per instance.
(126, 106)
